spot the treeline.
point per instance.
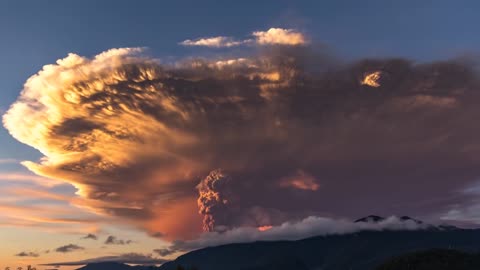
(437, 259)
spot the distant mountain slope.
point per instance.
(438, 259)
(114, 266)
(378, 219)
(370, 219)
(356, 251)
(106, 266)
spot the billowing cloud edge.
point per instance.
(308, 227)
(122, 89)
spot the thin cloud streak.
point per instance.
(272, 36)
(51, 212)
(132, 258)
(215, 42)
(69, 248)
(28, 178)
(8, 161)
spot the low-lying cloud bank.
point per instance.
(308, 227)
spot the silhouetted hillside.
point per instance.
(114, 266)
(363, 250)
(437, 259)
(371, 219)
(106, 266)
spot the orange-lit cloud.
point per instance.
(136, 137)
(272, 36)
(86, 151)
(110, 114)
(279, 36)
(300, 180)
(176, 221)
(372, 79)
(264, 228)
(50, 212)
(26, 193)
(45, 217)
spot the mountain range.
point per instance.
(357, 251)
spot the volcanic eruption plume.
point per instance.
(291, 127)
(213, 198)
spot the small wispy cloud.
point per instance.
(301, 180)
(272, 36)
(90, 236)
(69, 248)
(158, 234)
(8, 161)
(27, 254)
(216, 42)
(112, 240)
(163, 252)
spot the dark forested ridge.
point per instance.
(114, 266)
(384, 250)
(437, 259)
(363, 250)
